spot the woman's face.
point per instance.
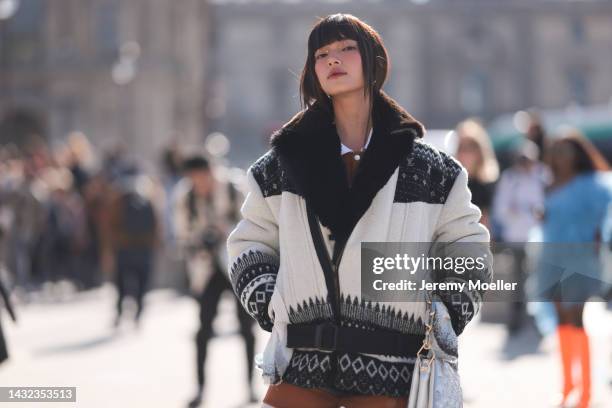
(202, 181)
(562, 158)
(468, 153)
(343, 59)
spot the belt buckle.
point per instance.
(326, 336)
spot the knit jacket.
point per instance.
(404, 191)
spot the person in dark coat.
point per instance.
(7, 302)
(134, 227)
(205, 210)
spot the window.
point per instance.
(106, 36)
(473, 92)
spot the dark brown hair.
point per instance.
(335, 27)
(587, 158)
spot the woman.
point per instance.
(347, 168)
(476, 154)
(575, 210)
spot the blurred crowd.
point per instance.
(62, 209)
(557, 182)
(56, 213)
(71, 222)
(556, 196)
(73, 218)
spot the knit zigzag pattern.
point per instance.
(369, 316)
(253, 277)
(358, 313)
(353, 373)
(312, 310)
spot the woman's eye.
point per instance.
(349, 47)
(320, 55)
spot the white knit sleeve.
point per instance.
(253, 251)
(459, 234)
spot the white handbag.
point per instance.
(435, 379)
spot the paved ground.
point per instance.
(72, 343)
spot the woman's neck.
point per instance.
(352, 117)
(562, 179)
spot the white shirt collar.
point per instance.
(345, 149)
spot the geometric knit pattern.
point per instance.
(253, 277)
(270, 176)
(357, 314)
(426, 175)
(350, 373)
(310, 311)
(367, 316)
(462, 306)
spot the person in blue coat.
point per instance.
(569, 269)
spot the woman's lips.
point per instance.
(336, 75)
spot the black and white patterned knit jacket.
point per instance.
(404, 191)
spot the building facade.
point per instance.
(145, 71)
(449, 59)
(130, 71)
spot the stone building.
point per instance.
(118, 70)
(189, 67)
(449, 59)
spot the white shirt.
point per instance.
(518, 198)
(345, 149)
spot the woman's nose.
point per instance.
(333, 60)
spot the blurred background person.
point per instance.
(476, 153)
(79, 159)
(517, 207)
(95, 197)
(65, 232)
(171, 161)
(206, 209)
(574, 214)
(5, 301)
(6, 218)
(537, 134)
(28, 215)
(171, 167)
(134, 234)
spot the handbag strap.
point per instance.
(324, 259)
(427, 341)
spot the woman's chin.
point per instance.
(342, 92)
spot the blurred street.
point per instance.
(73, 343)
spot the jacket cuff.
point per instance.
(462, 306)
(253, 277)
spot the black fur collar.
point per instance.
(309, 150)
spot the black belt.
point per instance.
(329, 337)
